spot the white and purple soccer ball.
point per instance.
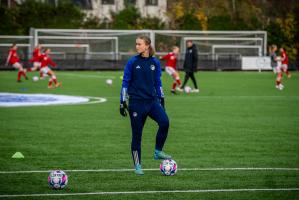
(35, 78)
(109, 81)
(187, 89)
(168, 167)
(57, 179)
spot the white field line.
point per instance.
(86, 76)
(92, 100)
(156, 169)
(153, 192)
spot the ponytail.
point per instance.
(148, 41)
(151, 50)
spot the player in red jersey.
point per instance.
(36, 59)
(170, 68)
(45, 69)
(14, 60)
(284, 61)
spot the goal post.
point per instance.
(115, 47)
(94, 45)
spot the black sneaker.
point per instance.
(173, 91)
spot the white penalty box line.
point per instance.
(154, 192)
(156, 169)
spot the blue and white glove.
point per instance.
(123, 108)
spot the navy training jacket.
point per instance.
(142, 79)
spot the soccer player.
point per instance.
(284, 62)
(273, 56)
(276, 62)
(36, 59)
(14, 60)
(142, 85)
(190, 65)
(45, 69)
(170, 68)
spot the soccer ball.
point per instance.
(57, 179)
(168, 167)
(280, 87)
(35, 78)
(187, 89)
(109, 81)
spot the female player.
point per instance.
(36, 59)
(45, 69)
(142, 84)
(276, 62)
(273, 57)
(170, 68)
(284, 62)
(14, 60)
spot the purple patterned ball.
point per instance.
(57, 179)
(168, 167)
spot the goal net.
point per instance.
(110, 49)
(216, 49)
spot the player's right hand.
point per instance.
(123, 108)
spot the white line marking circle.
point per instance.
(20, 100)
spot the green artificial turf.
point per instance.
(238, 120)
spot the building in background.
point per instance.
(102, 8)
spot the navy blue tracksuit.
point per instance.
(190, 65)
(142, 83)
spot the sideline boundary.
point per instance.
(153, 192)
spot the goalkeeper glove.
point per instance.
(123, 108)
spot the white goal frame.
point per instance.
(214, 47)
(86, 46)
(36, 37)
(262, 42)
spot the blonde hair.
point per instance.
(175, 47)
(147, 41)
(272, 48)
(47, 50)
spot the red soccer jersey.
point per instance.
(284, 58)
(171, 59)
(36, 55)
(13, 57)
(46, 60)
